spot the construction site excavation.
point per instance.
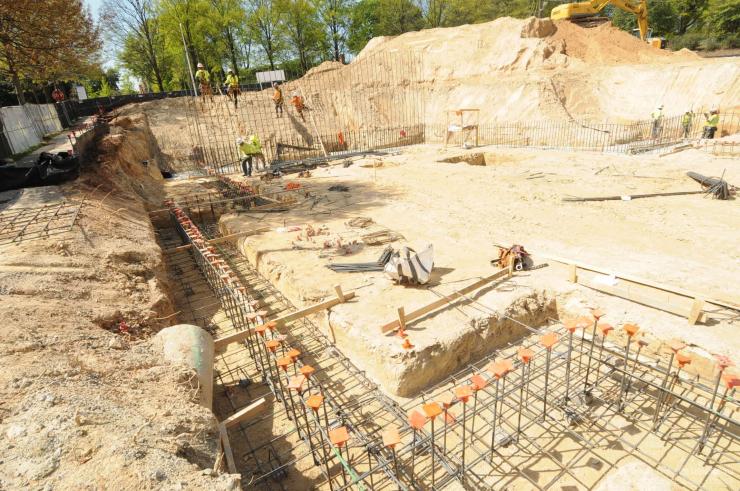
(470, 258)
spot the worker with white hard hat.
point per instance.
(657, 117)
(204, 80)
(711, 123)
(249, 149)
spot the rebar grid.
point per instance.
(23, 224)
(523, 437)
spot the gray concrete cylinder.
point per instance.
(189, 345)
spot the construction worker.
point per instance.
(297, 101)
(277, 98)
(710, 125)
(232, 86)
(204, 80)
(249, 149)
(657, 117)
(686, 120)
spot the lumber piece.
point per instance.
(219, 240)
(281, 321)
(248, 412)
(642, 281)
(664, 302)
(408, 317)
(228, 453)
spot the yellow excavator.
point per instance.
(585, 13)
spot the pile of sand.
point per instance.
(523, 44)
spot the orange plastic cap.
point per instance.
(261, 329)
(723, 361)
(478, 382)
(731, 380)
(407, 344)
(597, 313)
(463, 393)
(432, 410)
(583, 322)
(570, 325)
(417, 420)
(631, 329)
(315, 401)
(272, 344)
(296, 383)
(391, 438)
(446, 399)
(549, 340)
(294, 353)
(284, 362)
(683, 359)
(307, 370)
(677, 346)
(525, 354)
(339, 436)
(605, 328)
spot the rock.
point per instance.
(48, 398)
(159, 475)
(15, 431)
(116, 343)
(208, 472)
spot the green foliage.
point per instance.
(724, 17)
(662, 18)
(364, 22)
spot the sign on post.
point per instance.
(271, 76)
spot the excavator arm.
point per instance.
(588, 9)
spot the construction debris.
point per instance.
(717, 187)
(363, 267)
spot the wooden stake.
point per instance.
(248, 412)
(228, 453)
(695, 312)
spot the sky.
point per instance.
(94, 6)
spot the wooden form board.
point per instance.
(228, 453)
(219, 240)
(404, 317)
(248, 412)
(641, 291)
(281, 321)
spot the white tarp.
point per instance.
(273, 76)
(81, 92)
(24, 126)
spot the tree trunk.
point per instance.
(232, 49)
(18, 88)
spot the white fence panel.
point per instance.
(24, 126)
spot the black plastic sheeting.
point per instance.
(48, 170)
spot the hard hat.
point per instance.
(295, 94)
(239, 140)
(660, 107)
(200, 65)
(231, 70)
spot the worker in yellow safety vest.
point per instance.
(232, 86)
(710, 125)
(204, 80)
(249, 149)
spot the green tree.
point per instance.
(228, 21)
(304, 31)
(723, 17)
(363, 22)
(134, 26)
(399, 16)
(689, 12)
(662, 18)
(335, 15)
(265, 25)
(35, 46)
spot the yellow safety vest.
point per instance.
(251, 146)
(712, 121)
(202, 76)
(232, 80)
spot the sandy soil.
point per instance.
(516, 198)
(86, 403)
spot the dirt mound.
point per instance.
(607, 44)
(326, 66)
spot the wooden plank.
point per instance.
(634, 279)
(281, 321)
(573, 273)
(503, 273)
(219, 240)
(641, 298)
(248, 412)
(228, 453)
